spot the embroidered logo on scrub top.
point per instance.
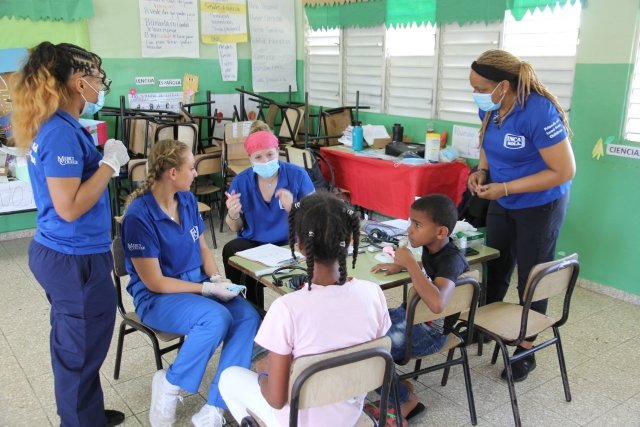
(135, 246)
(194, 233)
(513, 142)
(67, 160)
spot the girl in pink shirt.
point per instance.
(331, 311)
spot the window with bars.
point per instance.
(422, 71)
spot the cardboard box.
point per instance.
(380, 142)
(97, 129)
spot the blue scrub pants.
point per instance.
(207, 322)
(83, 308)
(523, 236)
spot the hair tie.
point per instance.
(296, 205)
(343, 244)
(311, 234)
(493, 73)
(350, 212)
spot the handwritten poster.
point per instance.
(223, 21)
(169, 101)
(169, 28)
(16, 196)
(273, 45)
(228, 57)
(465, 140)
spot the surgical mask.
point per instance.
(266, 170)
(89, 107)
(485, 102)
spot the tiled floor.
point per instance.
(600, 342)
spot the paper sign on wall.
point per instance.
(156, 101)
(465, 140)
(223, 21)
(224, 105)
(169, 28)
(228, 58)
(273, 45)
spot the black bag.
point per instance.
(473, 209)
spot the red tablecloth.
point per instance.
(390, 187)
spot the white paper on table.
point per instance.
(371, 132)
(397, 223)
(465, 140)
(270, 255)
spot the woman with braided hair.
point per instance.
(331, 311)
(526, 167)
(70, 253)
(177, 286)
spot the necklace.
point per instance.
(270, 181)
(499, 118)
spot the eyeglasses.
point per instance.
(106, 83)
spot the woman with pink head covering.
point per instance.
(259, 201)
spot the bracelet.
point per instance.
(233, 219)
(262, 374)
(506, 192)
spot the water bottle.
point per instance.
(398, 132)
(357, 138)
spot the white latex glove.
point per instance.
(224, 291)
(218, 278)
(115, 155)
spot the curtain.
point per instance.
(338, 14)
(349, 15)
(47, 10)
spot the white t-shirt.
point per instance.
(325, 319)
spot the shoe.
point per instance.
(114, 418)
(522, 367)
(373, 409)
(209, 416)
(163, 402)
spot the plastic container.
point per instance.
(432, 147)
(357, 137)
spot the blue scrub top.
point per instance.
(267, 222)
(512, 151)
(64, 149)
(148, 232)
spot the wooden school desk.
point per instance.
(362, 271)
(389, 187)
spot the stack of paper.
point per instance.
(346, 137)
(270, 255)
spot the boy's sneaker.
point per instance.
(113, 417)
(163, 401)
(209, 416)
(522, 367)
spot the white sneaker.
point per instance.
(209, 416)
(163, 401)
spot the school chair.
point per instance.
(314, 163)
(339, 375)
(234, 157)
(510, 324)
(208, 166)
(463, 301)
(130, 320)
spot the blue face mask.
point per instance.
(485, 102)
(266, 170)
(90, 108)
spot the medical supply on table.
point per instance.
(432, 147)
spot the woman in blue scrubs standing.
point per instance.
(526, 166)
(176, 285)
(70, 253)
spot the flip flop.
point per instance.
(373, 409)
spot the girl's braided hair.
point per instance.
(40, 87)
(325, 225)
(164, 155)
